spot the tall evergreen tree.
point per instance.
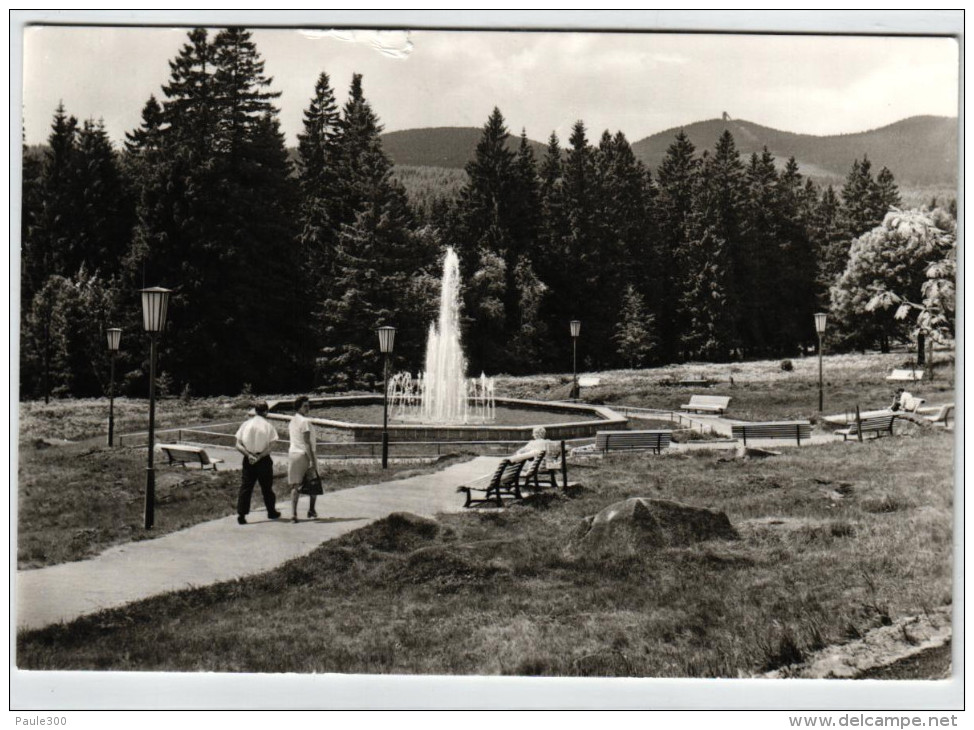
(676, 181)
(217, 213)
(760, 258)
(712, 288)
(376, 259)
(887, 191)
(862, 207)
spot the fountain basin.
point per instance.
(562, 421)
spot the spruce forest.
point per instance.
(283, 265)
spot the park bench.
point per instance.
(694, 383)
(606, 441)
(182, 454)
(546, 465)
(942, 415)
(503, 482)
(873, 424)
(797, 430)
(709, 403)
(589, 381)
(911, 375)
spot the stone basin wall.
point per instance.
(608, 420)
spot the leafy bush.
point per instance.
(787, 366)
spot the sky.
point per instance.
(639, 83)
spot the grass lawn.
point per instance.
(76, 500)
(833, 541)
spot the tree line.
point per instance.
(281, 271)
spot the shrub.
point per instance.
(787, 366)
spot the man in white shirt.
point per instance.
(255, 439)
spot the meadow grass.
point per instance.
(834, 541)
(75, 500)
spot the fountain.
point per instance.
(442, 404)
(443, 394)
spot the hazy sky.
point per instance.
(641, 83)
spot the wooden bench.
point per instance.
(911, 375)
(711, 403)
(182, 454)
(797, 430)
(606, 441)
(873, 424)
(503, 482)
(942, 415)
(693, 383)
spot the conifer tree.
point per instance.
(759, 259)
(634, 334)
(712, 288)
(217, 208)
(376, 259)
(676, 180)
(887, 191)
(862, 207)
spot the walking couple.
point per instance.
(255, 440)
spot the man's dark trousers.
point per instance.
(263, 472)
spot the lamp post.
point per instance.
(820, 329)
(114, 338)
(576, 327)
(387, 338)
(155, 302)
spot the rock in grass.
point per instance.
(642, 523)
(750, 452)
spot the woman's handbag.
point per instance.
(311, 485)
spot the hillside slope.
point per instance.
(920, 151)
(441, 146)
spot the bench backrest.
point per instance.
(875, 423)
(180, 452)
(534, 465)
(773, 429)
(944, 414)
(718, 401)
(606, 440)
(906, 375)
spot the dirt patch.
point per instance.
(904, 638)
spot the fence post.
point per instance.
(564, 468)
(858, 424)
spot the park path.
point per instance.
(222, 550)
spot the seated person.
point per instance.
(897, 403)
(551, 450)
(537, 443)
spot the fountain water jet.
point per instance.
(442, 394)
(444, 381)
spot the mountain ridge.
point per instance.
(919, 150)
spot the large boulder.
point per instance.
(641, 523)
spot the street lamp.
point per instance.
(387, 338)
(155, 302)
(114, 338)
(820, 329)
(576, 327)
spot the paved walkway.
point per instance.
(221, 550)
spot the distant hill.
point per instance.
(441, 146)
(921, 151)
